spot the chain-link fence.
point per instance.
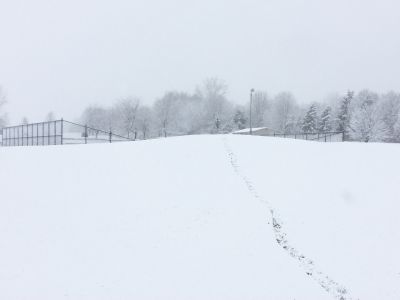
(59, 132)
(318, 137)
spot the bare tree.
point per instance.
(261, 105)
(390, 111)
(186, 113)
(216, 108)
(367, 117)
(144, 121)
(192, 115)
(164, 111)
(124, 114)
(366, 122)
(284, 111)
(97, 117)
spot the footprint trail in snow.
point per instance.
(328, 284)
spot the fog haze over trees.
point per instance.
(364, 116)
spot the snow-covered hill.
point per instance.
(201, 217)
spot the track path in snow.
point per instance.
(337, 290)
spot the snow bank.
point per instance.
(173, 219)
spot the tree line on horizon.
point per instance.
(364, 116)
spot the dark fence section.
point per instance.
(45, 133)
(319, 137)
(59, 132)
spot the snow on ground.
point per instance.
(339, 205)
(247, 130)
(189, 218)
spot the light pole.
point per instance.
(251, 104)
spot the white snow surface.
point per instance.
(190, 218)
(245, 130)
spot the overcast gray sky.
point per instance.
(63, 55)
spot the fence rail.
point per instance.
(63, 132)
(320, 137)
(58, 132)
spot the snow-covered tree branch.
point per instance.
(365, 116)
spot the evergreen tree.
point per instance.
(344, 115)
(239, 119)
(310, 120)
(325, 121)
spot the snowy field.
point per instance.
(201, 217)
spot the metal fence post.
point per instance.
(62, 131)
(48, 133)
(55, 132)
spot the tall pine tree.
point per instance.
(344, 115)
(310, 120)
(325, 121)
